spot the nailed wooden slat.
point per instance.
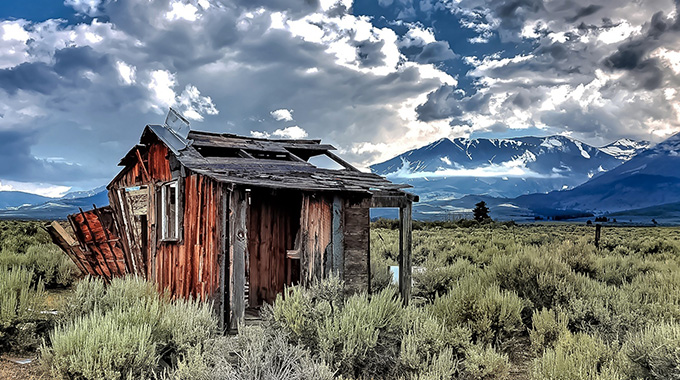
(405, 248)
(239, 247)
(67, 244)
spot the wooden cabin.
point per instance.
(235, 219)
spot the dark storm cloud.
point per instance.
(435, 52)
(15, 148)
(370, 53)
(29, 76)
(633, 55)
(585, 11)
(446, 102)
(69, 63)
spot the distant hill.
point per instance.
(504, 168)
(18, 198)
(57, 208)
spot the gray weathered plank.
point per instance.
(239, 247)
(405, 248)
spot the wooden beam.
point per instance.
(141, 163)
(340, 161)
(378, 201)
(338, 238)
(239, 252)
(405, 249)
(224, 304)
(244, 154)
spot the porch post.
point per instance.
(405, 248)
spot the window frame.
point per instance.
(165, 236)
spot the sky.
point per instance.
(79, 80)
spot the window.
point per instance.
(170, 211)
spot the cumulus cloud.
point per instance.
(282, 114)
(85, 90)
(293, 132)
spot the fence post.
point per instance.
(598, 228)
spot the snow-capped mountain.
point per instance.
(497, 167)
(625, 149)
(37, 207)
(650, 178)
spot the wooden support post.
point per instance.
(598, 228)
(239, 252)
(338, 238)
(223, 299)
(405, 247)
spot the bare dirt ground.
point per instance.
(13, 371)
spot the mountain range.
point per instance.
(557, 177)
(19, 205)
(503, 167)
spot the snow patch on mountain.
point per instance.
(625, 149)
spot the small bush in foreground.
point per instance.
(125, 330)
(485, 363)
(654, 353)
(20, 302)
(576, 357)
(493, 315)
(547, 327)
(255, 353)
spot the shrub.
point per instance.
(255, 353)
(654, 353)
(47, 261)
(138, 330)
(539, 277)
(547, 327)
(485, 363)
(426, 342)
(381, 277)
(576, 357)
(364, 338)
(493, 315)
(102, 346)
(437, 277)
(442, 366)
(20, 302)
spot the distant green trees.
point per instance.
(481, 212)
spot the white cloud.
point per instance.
(127, 73)
(46, 190)
(88, 7)
(160, 85)
(182, 11)
(282, 114)
(293, 132)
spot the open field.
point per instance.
(496, 301)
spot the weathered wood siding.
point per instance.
(188, 267)
(99, 252)
(273, 221)
(357, 246)
(316, 234)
